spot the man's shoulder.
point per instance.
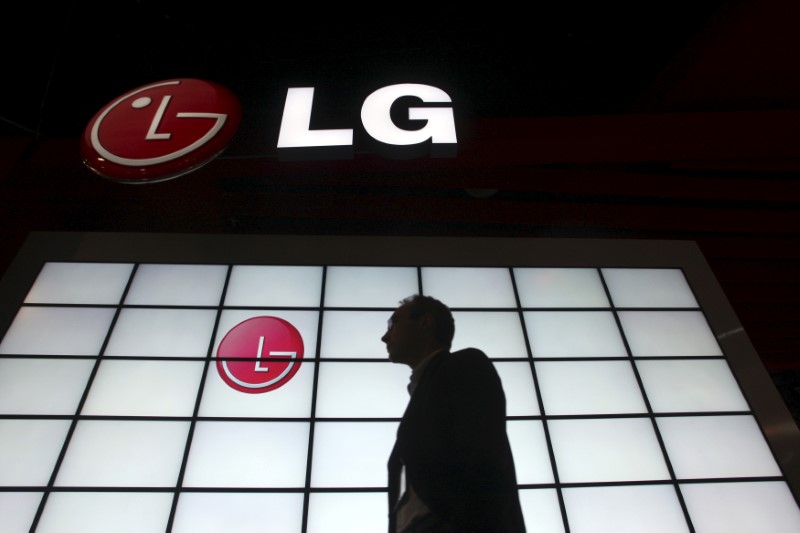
(469, 373)
(469, 355)
(467, 358)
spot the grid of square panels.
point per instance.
(115, 405)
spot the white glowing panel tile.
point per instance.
(765, 507)
(648, 287)
(615, 449)
(349, 512)
(560, 287)
(529, 448)
(162, 333)
(124, 453)
(238, 512)
(352, 454)
(498, 334)
(292, 400)
(589, 387)
(653, 508)
(541, 511)
(80, 283)
(18, 510)
(677, 333)
(29, 449)
(691, 385)
(306, 323)
(354, 334)
(177, 285)
(352, 390)
(103, 512)
(144, 388)
(717, 446)
(469, 287)
(57, 331)
(574, 334)
(248, 454)
(369, 286)
(290, 286)
(518, 386)
(42, 386)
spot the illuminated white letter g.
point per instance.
(440, 128)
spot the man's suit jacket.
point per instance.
(452, 440)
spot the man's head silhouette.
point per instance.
(417, 328)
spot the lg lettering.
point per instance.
(439, 126)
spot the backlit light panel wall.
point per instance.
(226, 397)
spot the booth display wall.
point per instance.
(634, 400)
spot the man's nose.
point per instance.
(385, 336)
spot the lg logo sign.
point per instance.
(440, 127)
(160, 131)
(167, 129)
(260, 354)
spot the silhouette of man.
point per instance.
(451, 469)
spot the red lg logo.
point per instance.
(272, 349)
(160, 131)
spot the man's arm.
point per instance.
(484, 480)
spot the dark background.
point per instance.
(651, 120)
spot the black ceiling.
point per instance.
(546, 59)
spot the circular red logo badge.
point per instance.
(272, 347)
(160, 131)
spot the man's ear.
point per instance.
(427, 322)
